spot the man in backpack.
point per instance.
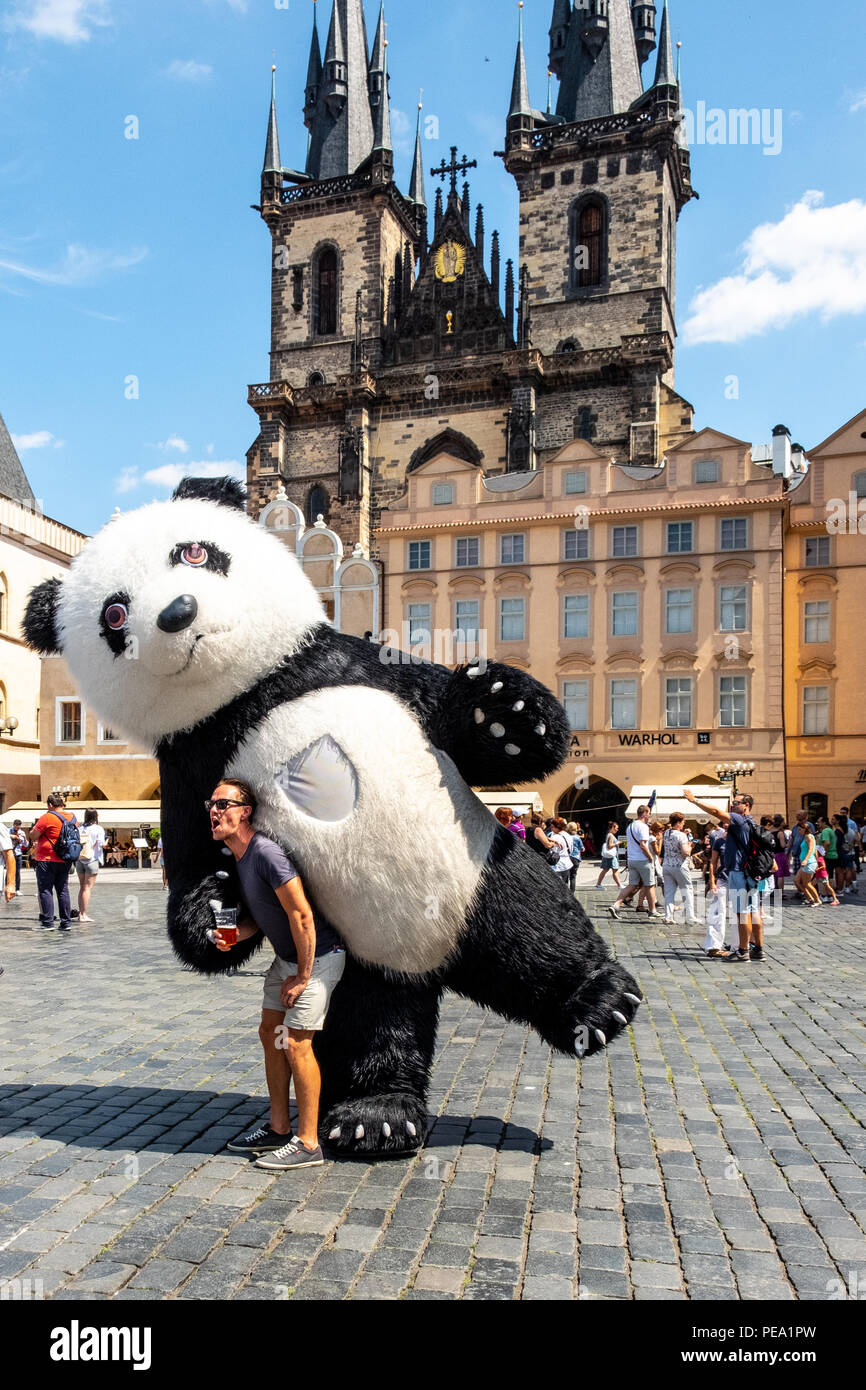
(742, 893)
(52, 871)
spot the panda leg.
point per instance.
(530, 953)
(375, 1052)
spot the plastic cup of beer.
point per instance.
(227, 925)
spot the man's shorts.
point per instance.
(743, 895)
(310, 1011)
(641, 875)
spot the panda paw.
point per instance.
(505, 722)
(375, 1126)
(604, 1006)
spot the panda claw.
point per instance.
(359, 1132)
(335, 1133)
(410, 1128)
(474, 673)
(541, 729)
(480, 716)
(633, 999)
(386, 1130)
(512, 749)
(496, 687)
(521, 704)
(600, 1037)
(620, 1018)
(497, 730)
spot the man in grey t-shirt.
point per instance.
(307, 968)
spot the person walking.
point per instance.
(717, 903)
(656, 845)
(7, 852)
(807, 869)
(562, 841)
(52, 871)
(677, 865)
(826, 840)
(308, 965)
(822, 879)
(90, 861)
(743, 894)
(577, 852)
(610, 855)
(19, 847)
(782, 838)
(641, 865)
(846, 840)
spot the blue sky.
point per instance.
(122, 258)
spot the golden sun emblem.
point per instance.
(450, 262)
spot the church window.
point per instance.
(589, 243)
(316, 379)
(326, 285)
(317, 505)
(583, 423)
(443, 494)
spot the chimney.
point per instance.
(782, 465)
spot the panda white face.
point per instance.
(172, 611)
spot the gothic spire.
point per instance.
(341, 126)
(314, 73)
(600, 72)
(558, 34)
(272, 164)
(520, 103)
(377, 57)
(380, 103)
(665, 71)
(417, 194)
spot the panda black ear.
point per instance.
(40, 618)
(227, 492)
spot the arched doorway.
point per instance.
(857, 809)
(594, 806)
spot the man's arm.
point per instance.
(721, 816)
(303, 928)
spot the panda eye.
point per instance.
(116, 616)
(194, 554)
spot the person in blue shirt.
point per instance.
(742, 894)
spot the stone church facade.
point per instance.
(396, 334)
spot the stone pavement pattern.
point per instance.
(717, 1151)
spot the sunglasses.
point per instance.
(223, 804)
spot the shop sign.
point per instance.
(648, 741)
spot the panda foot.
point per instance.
(382, 1126)
(602, 1008)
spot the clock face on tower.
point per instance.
(449, 262)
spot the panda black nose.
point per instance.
(178, 615)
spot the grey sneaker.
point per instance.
(260, 1141)
(292, 1155)
(614, 911)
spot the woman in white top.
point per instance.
(561, 839)
(92, 839)
(676, 865)
(610, 855)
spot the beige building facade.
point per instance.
(648, 599)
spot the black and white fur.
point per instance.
(363, 769)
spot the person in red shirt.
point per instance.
(52, 872)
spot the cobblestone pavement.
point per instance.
(715, 1152)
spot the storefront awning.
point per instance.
(670, 800)
(113, 815)
(521, 803)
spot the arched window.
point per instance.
(583, 423)
(318, 504)
(589, 243)
(326, 292)
(316, 379)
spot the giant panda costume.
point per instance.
(190, 628)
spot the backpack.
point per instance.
(760, 861)
(68, 843)
(86, 854)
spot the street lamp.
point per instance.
(734, 773)
(8, 725)
(66, 792)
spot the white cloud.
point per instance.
(70, 21)
(81, 265)
(187, 70)
(811, 262)
(858, 104)
(40, 439)
(127, 481)
(174, 441)
(170, 474)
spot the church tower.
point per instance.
(602, 180)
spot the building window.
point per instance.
(318, 505)
(419, 624)
(733, 608)
(589, 244)
(816, 709)
(623, 542)
(583, 423)
(468, 552)
(419, 555)
(678, 702)
(860, 485)
(576, 483)
(575, 615)
(817, 552)
(69, 722)
(512, 550)
(681, 537)
(732, 702)
(679, 610)
(512, 620)
(707, 471)
(466, 618)
(623, 704)
(576, 545)
(735, 533)
(104, 735)
(624, 613)
(575, 699)
(326, 293)
(817, 622)
(443, 494)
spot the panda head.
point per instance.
(172, 611)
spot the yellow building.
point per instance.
(825, 585)
(648, 599)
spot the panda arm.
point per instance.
(496, 723)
